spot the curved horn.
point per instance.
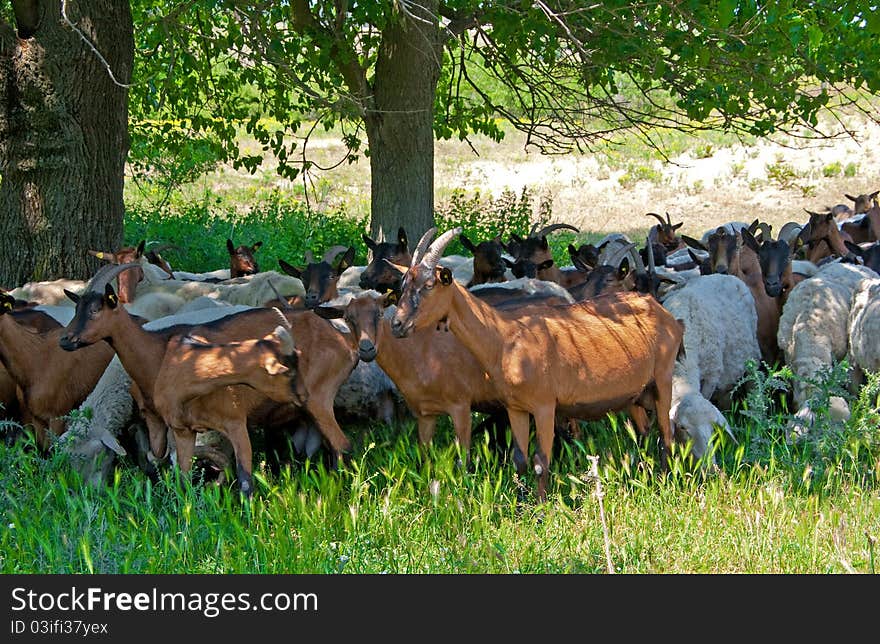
(332, 252)
(423, 245)
(614, 257)
(652, 266)
(106, 273)
(546, 230)
(285, 304)
(435, 251)
(636, 259)
(285, 339)
(284, 320)
(533, 228)
(657, 217)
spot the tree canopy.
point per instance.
(567, 73)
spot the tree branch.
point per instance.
(305, 23)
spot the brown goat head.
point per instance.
(532, 256)
(664, 232)
(95, 309)
(128, 280)
(489, 265)
(862, 203)
(378, 275)
(241, 259)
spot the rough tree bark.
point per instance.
(400, 126)
(63, 137)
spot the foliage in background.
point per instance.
(285, 225)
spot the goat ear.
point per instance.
(544, 244)
(850, 197)
(623, 269)
(230, 247)
(467, 243)
(401, 237)
(369, 242)
(346, 261)
(547, 263)
(445, 276)
(693, 243)
(275, 367)
(290, 269)
(874, 194)
(753, 226)
(140, 248)
(329, 312)
(110, 296)
(73, 297)
(829, 217)
(678, 225)
(256, 245)
(749, 240)
(508, 262)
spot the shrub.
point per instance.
(286, 227)
(851, 169)
(832, 169)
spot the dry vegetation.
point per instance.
(716, 179)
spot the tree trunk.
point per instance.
(63, 137)
(400, 130)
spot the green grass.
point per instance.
(772, 506)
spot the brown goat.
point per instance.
(447, 380)
(320, 278)
(50, 382)
(326, 361)
(823, 238)
(868, 229)
(584, 360)
(378, 275)
(129, 280)
(38, 322)
(192, 369)
(532, 256)
(489, 266)
(663, 233)
(241, 259)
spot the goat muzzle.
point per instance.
(366, 350)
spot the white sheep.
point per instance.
(50, 293)
(720, 337)
(813, 332)
(251, 290)
(527, 286)
(864, 330)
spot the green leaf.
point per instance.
(726, 12)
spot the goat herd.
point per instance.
(179, 366)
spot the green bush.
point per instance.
(287, 228)
(851, 169)
(832, 169)
(482, 218)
